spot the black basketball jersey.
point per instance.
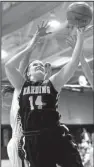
(38, 104)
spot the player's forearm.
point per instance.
(15, 60)
(86, 69)
(64, 75)
(73, 64)
(77, 49)
(25, 61)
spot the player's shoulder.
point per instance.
(47, 82)
(50, 84)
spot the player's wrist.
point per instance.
(80, 35)
(36, 37)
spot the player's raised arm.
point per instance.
(63, 76)
(85, 66)
(12, 72)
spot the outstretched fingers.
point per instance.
(70, 41)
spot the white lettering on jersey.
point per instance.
(36, 90)
(43, 89)
(28, 90)
(48, 90)
(24, 91)
(32, 90)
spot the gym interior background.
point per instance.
(19, 22)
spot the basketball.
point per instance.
(79, 14)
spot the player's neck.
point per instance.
(34, 79)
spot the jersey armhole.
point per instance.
(21, 90)
(53, 87)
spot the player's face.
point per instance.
(37, 70)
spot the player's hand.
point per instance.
(80, 33)
(71, 41)
(48, 67)
(42, 30)
(48, 70)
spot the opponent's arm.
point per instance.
(63, 76)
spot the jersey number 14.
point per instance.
(38, 102)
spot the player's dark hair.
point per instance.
(25, 73)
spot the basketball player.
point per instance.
(85, 66)
(12, 148)
(44, 141)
